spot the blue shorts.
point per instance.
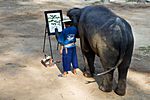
(68, 58)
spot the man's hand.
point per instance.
(61, 50)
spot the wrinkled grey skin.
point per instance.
(108, 36)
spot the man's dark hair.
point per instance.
(68, 23)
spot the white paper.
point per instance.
(54, 21)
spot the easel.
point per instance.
(50, 45)
(53, 20)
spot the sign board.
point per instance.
(54, 20)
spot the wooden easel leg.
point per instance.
(50, 46)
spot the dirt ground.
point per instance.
(22, 76)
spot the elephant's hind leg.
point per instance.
(122, 71)
(108, 59)
(107, 82)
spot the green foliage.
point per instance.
(104, 0)
(131, 0)
(145, 50)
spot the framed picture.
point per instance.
(54, 20)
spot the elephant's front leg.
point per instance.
(88, 55)
(89, 58)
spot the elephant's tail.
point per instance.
(123, 40)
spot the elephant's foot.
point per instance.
(87, 74)
(121, 88)
(120, 92)
(105, 87)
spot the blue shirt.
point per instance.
(67, 36)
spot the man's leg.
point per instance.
(66, 60)
(74, 60)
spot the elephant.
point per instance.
(106, 35)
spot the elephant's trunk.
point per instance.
(56, 34)
(74, 21)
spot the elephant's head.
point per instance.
(74, 15)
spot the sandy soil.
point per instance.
(22, 77)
